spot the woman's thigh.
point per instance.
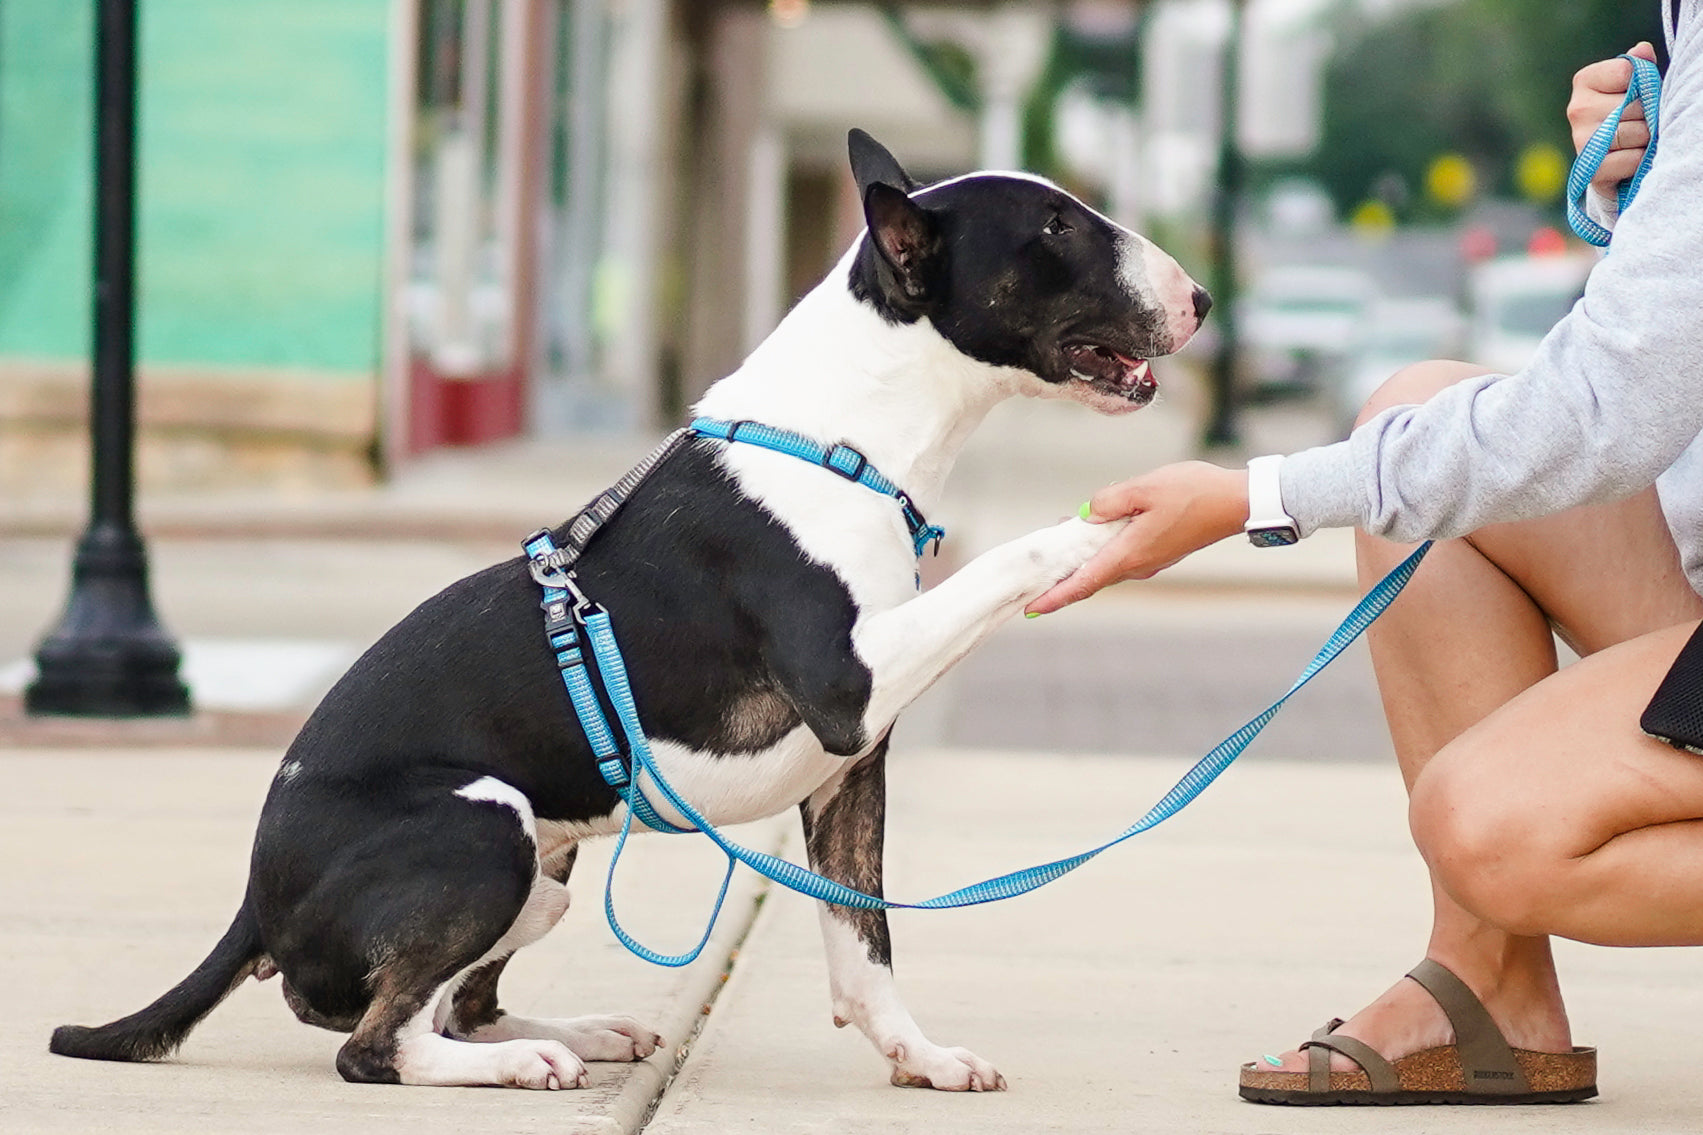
(1556, 814)
(1602, 573)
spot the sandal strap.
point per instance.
(1324, 1042)
(1486, 1060)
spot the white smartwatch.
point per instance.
(1268, 525)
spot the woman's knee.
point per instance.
(1417, 383)
(1483, 838)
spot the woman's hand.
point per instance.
(1598, 91)
(1173, 511)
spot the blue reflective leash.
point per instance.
(574, 624)
(1646, 88)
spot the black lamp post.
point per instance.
(1221, 426)
(109, 656)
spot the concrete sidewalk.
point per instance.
(1119, 999)
(119, 870)
(1122, 998)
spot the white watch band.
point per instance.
(1265, 499)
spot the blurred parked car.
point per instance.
(1298, 325)
(1516, 300)
(1396, 333)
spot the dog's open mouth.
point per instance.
(1112, 373)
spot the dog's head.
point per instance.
(1015, 272)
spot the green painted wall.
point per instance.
(263, 137)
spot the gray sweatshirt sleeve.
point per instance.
(1613, 397)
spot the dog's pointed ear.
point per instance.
(908, 241)
(871, 163)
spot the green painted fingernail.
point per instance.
(1273, 1061)
(1032, 615)
(1086, 510)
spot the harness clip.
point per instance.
(852, 474)
(547, 574)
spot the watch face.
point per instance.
(1274, 537)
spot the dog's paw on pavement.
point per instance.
(944, 1069)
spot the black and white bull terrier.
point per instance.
(422, 826)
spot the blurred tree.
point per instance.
(1486, 79)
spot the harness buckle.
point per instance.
(856, 471)
(922, 532)
(558, 620)
(614, 771)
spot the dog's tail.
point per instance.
(156, 1031)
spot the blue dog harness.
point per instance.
(841, 459)
(574, 625)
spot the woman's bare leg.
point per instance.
(1473, 632)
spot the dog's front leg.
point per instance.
(910, 646)
(843, 832)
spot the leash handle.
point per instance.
(813, 885)
(1646, 89)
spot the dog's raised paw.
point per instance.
(1053, 553)
(944, 1069)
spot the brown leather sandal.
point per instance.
(1479, 1068)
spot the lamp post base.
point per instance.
(109, 656)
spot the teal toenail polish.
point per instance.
(1273, 1061)
(1086, 510)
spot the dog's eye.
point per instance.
(1057, 226)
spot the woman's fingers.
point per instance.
(1115, 502)
(1173, 511)
(1598, 90)
(1633, 134)
(1616, 168)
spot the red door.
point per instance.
(475, 153)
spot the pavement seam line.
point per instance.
(644, 1109)
(683, 1051)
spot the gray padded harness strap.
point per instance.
(591, 519)
(1324, 1042)
(1486, 1060)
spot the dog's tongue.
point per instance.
(1105, 365)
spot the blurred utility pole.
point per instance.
(1221, 426)
(109, 656)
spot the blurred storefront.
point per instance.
(261, 239)
(370, 228)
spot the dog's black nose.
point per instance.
(1202, 303)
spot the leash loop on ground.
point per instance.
(1645, 89)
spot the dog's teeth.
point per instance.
(1076, 374)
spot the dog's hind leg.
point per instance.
(468, 1009)
(456, 888)
(843, 832)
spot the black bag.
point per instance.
(1675, 714)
